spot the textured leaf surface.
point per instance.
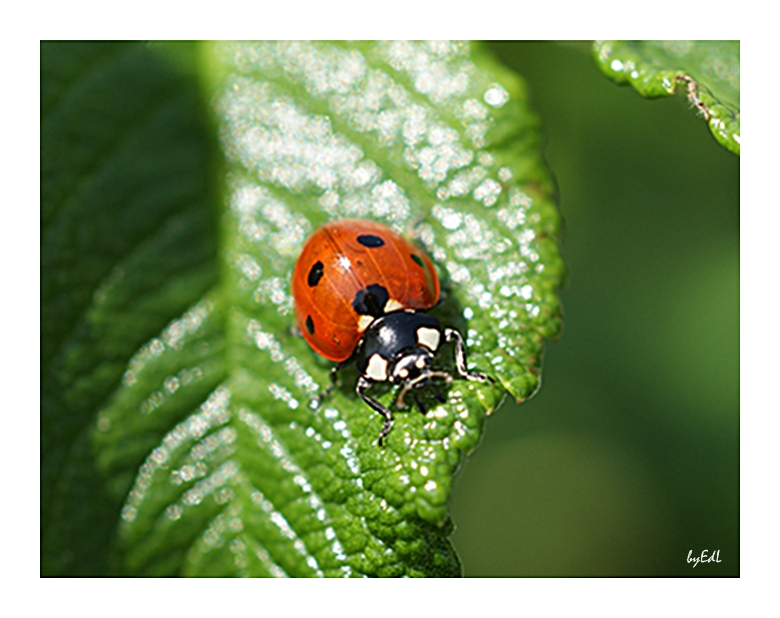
(216, 460)
(707, 71)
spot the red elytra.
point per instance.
(353, 271)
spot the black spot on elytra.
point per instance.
(309, 325)
(418, 260)
(370, 241)
(315, 274)
(371, 301)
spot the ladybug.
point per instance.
(361, 292)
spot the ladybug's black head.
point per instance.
(411, 365)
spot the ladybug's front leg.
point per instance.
(451, 334)
(362, 385)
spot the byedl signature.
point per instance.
(715, 557)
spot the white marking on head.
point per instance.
(392, 305)
(364, 321)
(420, 363)
(377, 368)
(428, 337)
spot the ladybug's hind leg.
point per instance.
(362, 385)
(450, 334)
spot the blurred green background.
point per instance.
(628, 457)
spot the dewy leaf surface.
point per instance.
(707, 71)
(223, 465)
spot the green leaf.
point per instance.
(127, 241)
(216, 461)
(706, 71)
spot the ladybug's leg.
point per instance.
(419, 403)
(333, 375)
(362, 385)
(419, 382)
(451, 334)
(437, 392)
